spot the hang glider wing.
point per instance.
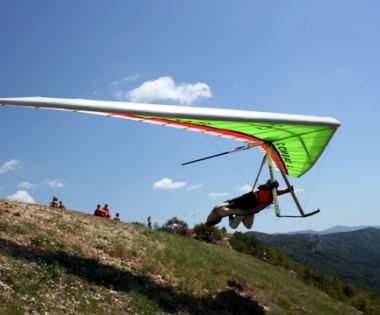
(297, 140)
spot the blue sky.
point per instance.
(298, 57)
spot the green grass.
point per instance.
(65, 262)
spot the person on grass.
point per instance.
(106, 211)
(98, 212)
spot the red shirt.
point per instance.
(106, 213)
(99, 213)
(265, 196)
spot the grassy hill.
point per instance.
(353, 257)
(66, 262)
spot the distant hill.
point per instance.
(334, 229)
(353, 257)
(362, 244)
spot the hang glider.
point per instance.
(293, 142)
(297, 141)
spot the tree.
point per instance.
(166, 226)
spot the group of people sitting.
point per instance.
(105, 213)
(54, 203)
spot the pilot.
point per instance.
(243, 208)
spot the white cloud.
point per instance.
(119, 95)
(8, 166)
(193, 187)
(164, 88)
(123, 80)
(166, 183)
(216, 195)
(27, 185)
(21, 196)
(245, 188)
(131, 77)
(1, 188)
(56, 183)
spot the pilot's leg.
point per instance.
(235, 220)
(248, 220)
(217, 214)
(223, 210)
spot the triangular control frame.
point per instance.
(270, 158)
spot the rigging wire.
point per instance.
(249, 168)
(310, 183)
(318, 172)
(247, 180)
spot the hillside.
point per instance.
(353, 257)
(67, 262)
(363, 244)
